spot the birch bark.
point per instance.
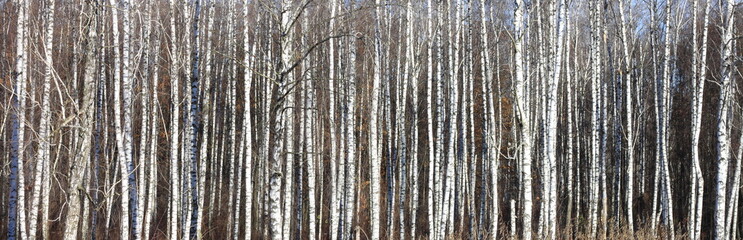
(522, 105)
(335, 194)
(42, 165)
(431, 142)
(153, 135)
(84, 134)
(195, 114)
(627, 73)
(248, 125)
(374, 148)
(595, 71)
(699, 69)
(551, 140)
(411, 78)
(174, 129)
(129, 186)
(723, 140)
(350, 175)
(665, 106)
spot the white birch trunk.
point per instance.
(667, 200)
(554, 82)
(335, 194)
(487, 82)
(374, 148)
(144, 135)
(208, 118)
(733, 211)
(22, 78)
(723, 140)
(350, 176)
(310, 134)
(174, 129)
(627, 74)
(570, 113)
(195, 116)
(82, 155)
(16, 197)
(42, 165)
(248, 126)
(153, 135)
(236, 143)
(522, 105)
(411, 78)
(699, 74)
(431, 142)
(595, 71)
(118, 122)
(448, 178)
(279, 226)
(130, 187)
(289, 106)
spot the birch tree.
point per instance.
(374, 148)
(174, 207)
(595, 71)
(350, 138)
(524, 116)
(412, 80)
(627, 74)
(431, 142)
(277, 142)
(84, 134)
(16, 197)
(663, 113)
(42, 165)
(553, 84)
(335, 197)
(195, 113)
(723, 140)
(248, 126)
(153, 134)
(698, 80)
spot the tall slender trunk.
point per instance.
(523, 111)
(431, 142)
(723, 140)
(554, 82)
(144, 135)
(448, 187)
(282, 117)
(439, 157)
(664, 111)
(374, 141)
(84, 134)
(289, 105)
(487, 84)
(195, 113)
(174, 129)
(42, 165)
(412, 79)
(335, 194)
(129, 185)
(153, 136)
(350, 171)
(570, 102)
(248, 125)
(627, 74)
(595, 72)
(699, 68)
(234, 153)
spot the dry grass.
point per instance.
(581, 232)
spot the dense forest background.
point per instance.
(384, 119)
